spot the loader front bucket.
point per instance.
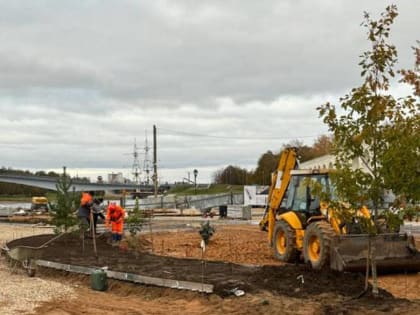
(393, 252)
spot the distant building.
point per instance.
(116, 178)
(327, 162)
(322, 162)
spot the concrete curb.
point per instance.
(131, 277)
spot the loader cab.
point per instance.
(304, 189)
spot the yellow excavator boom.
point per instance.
(288, 161)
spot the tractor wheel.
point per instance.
(317, 244)
(284, 242)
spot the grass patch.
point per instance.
(205, 190)
(15, 198)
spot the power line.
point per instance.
(190, 134)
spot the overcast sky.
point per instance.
(223, 81)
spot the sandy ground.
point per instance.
(242, 244)
(20, 294)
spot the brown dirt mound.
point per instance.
(269, 289)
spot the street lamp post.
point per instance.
(195, 180)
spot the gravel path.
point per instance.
(20, 294)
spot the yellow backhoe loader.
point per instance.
(303, 226)
(279, 183)
(39, 203)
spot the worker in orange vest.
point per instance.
(84, 211)
(115, 217)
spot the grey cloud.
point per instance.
(84, 78)
(191, 51)
(26, 72)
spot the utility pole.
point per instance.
(195, 181)
(155, 176)
(146, 164)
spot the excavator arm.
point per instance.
(287, 162)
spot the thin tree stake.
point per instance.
(367, 265)
(202, 268)
(375, 290)
(150, 231)
(230, 253)
(92, 228)
(83, 238)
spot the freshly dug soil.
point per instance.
(290, 280)
(270, 286)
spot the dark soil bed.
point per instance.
(289, 280)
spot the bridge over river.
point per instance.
(50, 183)
(171, 201)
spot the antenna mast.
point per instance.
(136, 165)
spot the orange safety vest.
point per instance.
(115, 214)
(86, 199)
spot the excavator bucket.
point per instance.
(393, 252)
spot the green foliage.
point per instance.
(67, 202)
(135, 219)
(206, 231)
(266, 165)
(16, 198)
(343, 210)
(410, 213)
(232, 175)
(370, 123)
(211, 189)
(401, 161)
(351, 185)
(392, 221)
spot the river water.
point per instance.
(8, 207)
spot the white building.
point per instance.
(255, 195)
(115, 178)
(327, 162)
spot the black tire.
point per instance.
(317, 244)
(284, 242)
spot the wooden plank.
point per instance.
(131, 277)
